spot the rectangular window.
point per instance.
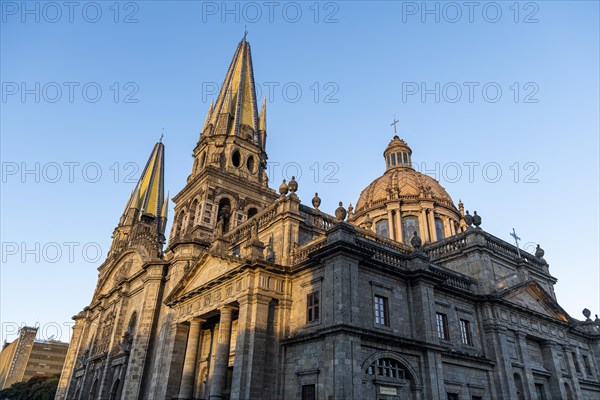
(442, 326)
(312, 307)
(465, 332)
(476, 398)
(381, 310)
(539, 390)
(452, 396)
(576, 363)
(586, 365)
(309, 392)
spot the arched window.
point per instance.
(193, 215)
(410, 225)
(114, 392)
(93, 390)
(382, 228)
(252, 212)
(388, 368)
(224, 213)
(568, 390)
(439, 228)
(132, 322)
(202, 160)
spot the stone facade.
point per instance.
(259, 296)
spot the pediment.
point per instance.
(209, 268)
(124, 268)
(533, 297)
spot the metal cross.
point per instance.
(514, 235)
(161, 135)
(394, 124)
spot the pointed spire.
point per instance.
(147, 199)
(208, 114)
(237, 97)
(165, 208)
(262, 119)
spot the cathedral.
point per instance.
(255, 295)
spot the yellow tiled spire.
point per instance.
(236, 105)
(148, 199)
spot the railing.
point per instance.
(317, 219)
(301, 254)
(242, 231)
(382, 255)
(447, 246)
(367, 234)
(510, 251)
(453, 280)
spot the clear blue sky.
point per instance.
(357, 65)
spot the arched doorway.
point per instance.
(387, 376)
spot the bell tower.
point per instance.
(228, 181)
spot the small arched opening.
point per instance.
(224, 214)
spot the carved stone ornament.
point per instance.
(586, 313)
(316, 201)
(539, 252)
(468, 219)
(415, 241)
(476, 219)
(340, 212)
(293, 185)
(368, 223)
(283, 188)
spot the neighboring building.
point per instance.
(26, 357)
(259, 296)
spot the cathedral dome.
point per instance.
(401, 181)
(403, 200)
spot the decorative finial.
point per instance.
(293, 185)
(245, 32)
(586, 313)
(394, 124)
(283, 188)
(468, 219)
(161, 135)
(461, 208)
(316, 201)
(340, 212)
(350, 210)
(476, 220)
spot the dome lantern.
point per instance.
(397, 154)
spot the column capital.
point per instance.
(197, 320)
(226, 309)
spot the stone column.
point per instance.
(399, 233)
(186, 389)
(552, 363)
(431, 223)
(423, 223)
(528, 381)
(219, 378)
(391, 225)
